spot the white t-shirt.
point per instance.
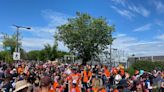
(68, 71)
(117, 78)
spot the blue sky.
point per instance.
(139, 23)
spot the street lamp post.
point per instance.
(110, 55)
(133, 56)
(17, 34)
(115, 52)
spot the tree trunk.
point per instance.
(84, 61)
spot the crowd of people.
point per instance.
(55, 77)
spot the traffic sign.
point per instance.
(16, 56)
(7, 48)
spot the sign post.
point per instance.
(16, 56)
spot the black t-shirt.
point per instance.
(111, 80)
(14, 75)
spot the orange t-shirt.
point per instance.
(86, 76)
(20, 70)
(103, 90)
(115, 90)
(107, 73)
(95, 89)
(55, 85)
(51, 90)
(122, 72)
(115, 71)
(75, 77)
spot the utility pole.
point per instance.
(17, 31)
(15, 55)
(17, 34)
(110, 55)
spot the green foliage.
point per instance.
(2, 55)
(10, 41)
(33, 55)
(148, 65)
(6, 56)
(130, 70)
(86, 35)
(61, 54)
(50, 52)
(23, 54)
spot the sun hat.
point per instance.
(21, 85)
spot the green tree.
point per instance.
(42, 55)
(86, 35)
(34, 55)
(51, 51)
(61, 54)
(48, 51)
(10, 41)
(23, 54)
(6, 56)
(9, 45)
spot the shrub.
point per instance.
(148, 65)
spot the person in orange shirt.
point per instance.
(114, 71)
(51, 89)
(75, 79)
(103, 90)
(55, 85)
(87, 75)
(115, 90)
(106, 72)
(95, 89)
(20, 70)
(122, 72)
(74, 88)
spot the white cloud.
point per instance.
(123, 12)
(54, 19)
(129, 9)
(38, 43)
(122, 2)
(148, 48)
(120, 35)
(44, 34)
(159, 6)
(1, 44)
(1, 36)
(139, 47)
(123, 41)
(160, 37)
(143, 28)
(159, 22)
(139, 10)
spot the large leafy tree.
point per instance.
(10, 42)
(9, 46)
(86, 35)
